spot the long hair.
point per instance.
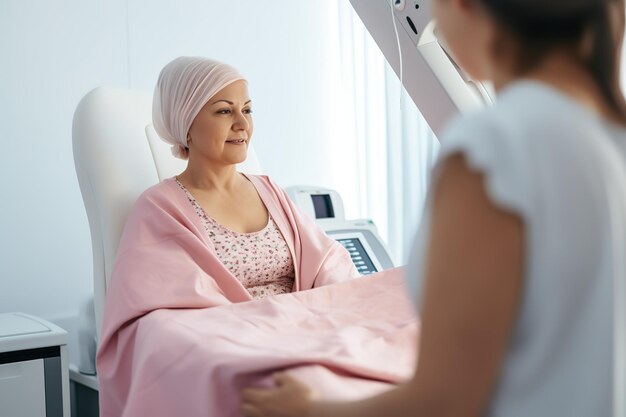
(541, 26)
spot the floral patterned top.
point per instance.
(261, 260)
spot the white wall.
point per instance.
(54, 52)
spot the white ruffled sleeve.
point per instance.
(499, 153)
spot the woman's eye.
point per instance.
(228, 111)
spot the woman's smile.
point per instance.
(237, 141)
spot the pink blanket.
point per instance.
(164, 352)
(346, 340)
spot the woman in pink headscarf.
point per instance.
(210, 236)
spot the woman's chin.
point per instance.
(238, 159)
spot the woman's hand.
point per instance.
(290, 398)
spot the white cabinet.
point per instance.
(22, 389)
(34, 380)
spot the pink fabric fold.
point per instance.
(181, 335)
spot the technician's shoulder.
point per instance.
(528, 118)
(474, 129)
(487, 138)
(503, 143)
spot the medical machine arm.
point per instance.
(436, 84)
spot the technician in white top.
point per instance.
(520, 247)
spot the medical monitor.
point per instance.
(319, 203)
(360, 237)
(322, 206)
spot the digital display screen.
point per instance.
(323, 206)
(359, 256)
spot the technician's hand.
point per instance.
(290, 398)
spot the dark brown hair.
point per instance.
(541, 26)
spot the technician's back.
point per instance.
(552, 153)
(561, 169)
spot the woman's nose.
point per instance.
(241, 122)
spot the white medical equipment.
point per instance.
(359, 237)
(438, 86)
(118, 155)
(34, 379)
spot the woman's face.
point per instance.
(221, 131)
(468, 33)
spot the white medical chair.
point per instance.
(118, 155)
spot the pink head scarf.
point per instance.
(183, 88)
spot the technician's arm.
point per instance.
(473, 287)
